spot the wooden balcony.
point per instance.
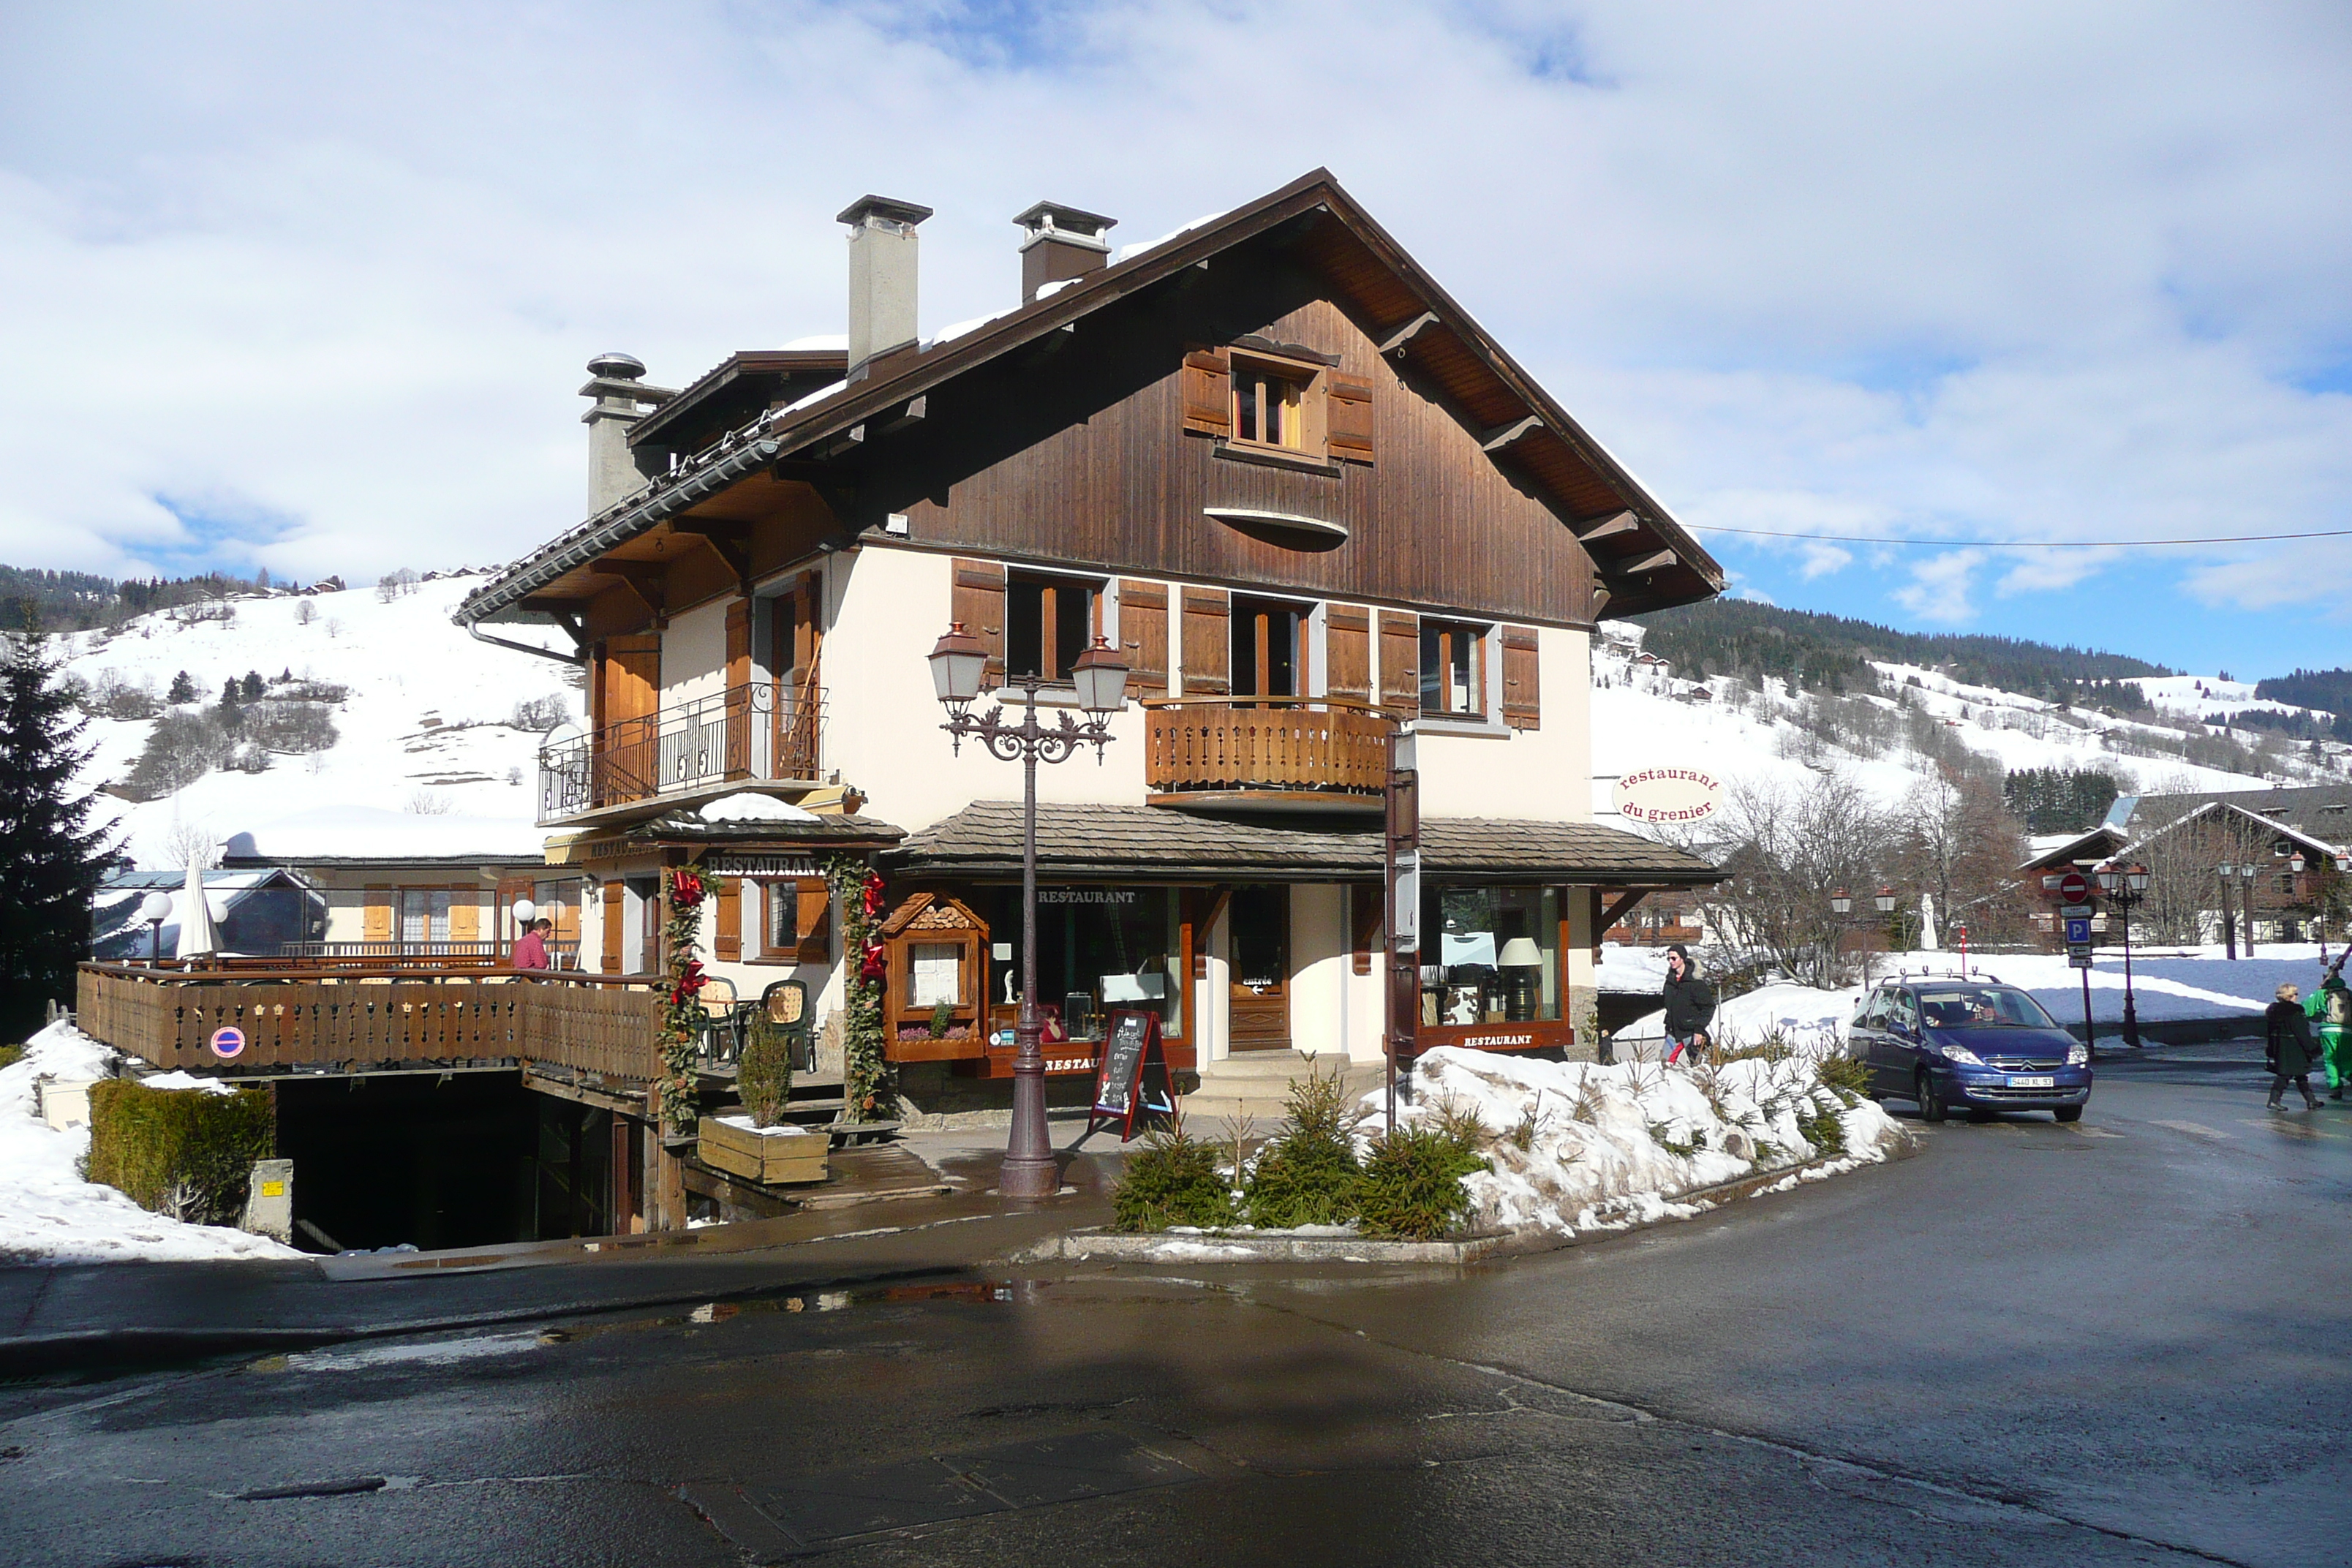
(762, 730)
(1267, 752)
(326, 1017)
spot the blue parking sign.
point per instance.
(2078, 930)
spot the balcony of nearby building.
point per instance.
(761, 731)
(1272, 753)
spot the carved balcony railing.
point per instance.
(1273, 746)
(762, 730)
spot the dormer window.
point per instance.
(1274, 403)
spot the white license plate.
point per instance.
(2041, 1080)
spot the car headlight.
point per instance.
(1960, 1053)
(2078, 1056)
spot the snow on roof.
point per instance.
(747, 805)
(817, 344)
(370, 833)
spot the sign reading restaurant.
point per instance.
(739, 864)
(1668, 794)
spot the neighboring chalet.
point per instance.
(1271, 461)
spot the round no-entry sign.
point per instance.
(2074, 887)
(227, 1041)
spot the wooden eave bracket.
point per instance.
(727, 539)
(1653, 562)
(1611, 913)
(1397, 340)
(642, 578)
(1599, 528)
(1510, 435)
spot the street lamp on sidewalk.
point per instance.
(1841, 901)
(958, 668)
(2126, 885)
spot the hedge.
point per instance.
(182, 1153)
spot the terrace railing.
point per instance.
(762, 730)
(1272, 745)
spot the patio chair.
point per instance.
(785, 1004)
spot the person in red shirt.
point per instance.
(530, 953)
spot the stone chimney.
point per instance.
(881, 278)
(617, 383)
(1060, 243)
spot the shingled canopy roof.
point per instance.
(1645, 559)
(1142, 843)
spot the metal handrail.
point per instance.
(758, 730)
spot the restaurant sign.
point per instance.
(1668, 794)
(755, 865)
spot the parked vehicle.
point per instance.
(1976, 1045)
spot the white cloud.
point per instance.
(328, 276)
(1940, 587)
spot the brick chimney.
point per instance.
(881, 278)
(1060, 243)
(617, 384)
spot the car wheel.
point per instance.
(2068, 1113)
(1930, 1107)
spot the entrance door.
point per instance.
(1267, 648)
(1260, 919)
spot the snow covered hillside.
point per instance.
(424, 721)
(1646, 715)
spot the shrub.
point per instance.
(1172, 1180)
(295, 727)
(1411, 1185)
(1848, 1078)
(180, 1152)
(1824, 1129)
(10, 1055)
(181, 749)
(764, 1076)
(538, 715)
(1307, 1173)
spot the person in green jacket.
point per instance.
(2330, 1011)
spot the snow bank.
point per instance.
(49, 1213)
(1808, 1021)
(1616, 1146)
(340, 832)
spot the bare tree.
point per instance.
(1788, 850)
(1956, 839)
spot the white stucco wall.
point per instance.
(1544, 774)
(694, 654)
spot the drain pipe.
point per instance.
(576, 658)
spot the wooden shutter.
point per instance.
(614, 910)
(1143, 634)
(1347, 651)
(739, 642)
(631, 687)
(979, 603)
(1522, 700)
(727, 938)
(1208, 393)
(1349, 410)
(566, 916)
(1401, 658)
(1363, 925)
(815, 920)
(1208, 656)
(465, 914)
(376, 915)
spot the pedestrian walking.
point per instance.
(2291, 1048)
(1690, 1007)
(531, 952)
(2330, 1012)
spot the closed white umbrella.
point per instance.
(198, 936)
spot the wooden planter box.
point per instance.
(770, 1156)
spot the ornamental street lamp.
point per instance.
(2247, 870)
(155, 909)
(2125, 887)
(959, 667)
(1842, 903)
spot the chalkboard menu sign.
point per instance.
(1133, 1080)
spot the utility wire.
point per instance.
(2022, 544)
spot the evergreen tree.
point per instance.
(52, 860)
(184, 690)
(254, 686)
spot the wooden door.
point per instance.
(1259, 922)
(797, 639)
(628, 701)
(1266, 660)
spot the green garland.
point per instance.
(682, 895)
(868, 1090)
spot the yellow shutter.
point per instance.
(376, 915)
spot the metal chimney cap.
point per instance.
(1075, 224)
(909, 214)
(618, 367)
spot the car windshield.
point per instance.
(1983, 1007)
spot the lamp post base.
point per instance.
(1030, 1170)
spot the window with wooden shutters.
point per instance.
(726, 935)
(1347, 651)
(612, 912)
(1348, 412)
(1399, 659)
(1207, 393)
(816, 917)
(1453, 669)
(1143, 635)
(1049, 621)
(1207, 670)
(1522, 697)
(979, 603)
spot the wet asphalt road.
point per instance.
(2129, 1341)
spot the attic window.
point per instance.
(1273, 403)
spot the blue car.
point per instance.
(1969, 1045)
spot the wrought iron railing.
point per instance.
(765, 730)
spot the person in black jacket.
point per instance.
(2291, 1048)
(1690, 1005)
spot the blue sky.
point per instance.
(312, 287)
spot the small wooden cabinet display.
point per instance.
(935, 1000)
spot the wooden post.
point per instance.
(1402, 871)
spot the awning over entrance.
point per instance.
(1140, 843)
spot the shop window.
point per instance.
(1496, 951)
(1452, 670)
(1048, 622)
(1100, 950)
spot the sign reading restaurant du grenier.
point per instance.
(1668, 794)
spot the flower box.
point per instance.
(768, 1155)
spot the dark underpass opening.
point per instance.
(472, 1159)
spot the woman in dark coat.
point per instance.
(2292, 1048)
